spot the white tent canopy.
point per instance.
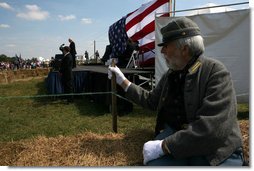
(209, 9)
(227, 39)
(40, 59)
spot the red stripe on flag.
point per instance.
(147, 47)
(142, 33)
(146, 30)
(147, 63)
(142, 15)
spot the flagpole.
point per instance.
(170, 8)
(174, 9)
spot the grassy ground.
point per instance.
(48, 132)
(23, 118)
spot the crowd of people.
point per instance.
(23, 64)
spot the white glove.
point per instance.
(152, 150)
(119, 75)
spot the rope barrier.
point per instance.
(114, 115)
(121, 97)
(54, 95)
(60, 95)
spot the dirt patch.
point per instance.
(86, 149)
(244, 125)
(82, 150)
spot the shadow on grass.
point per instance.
(42, 90)
(92, 104)
(243, 115)
(243, 111)
(92, 82)
(84, 104)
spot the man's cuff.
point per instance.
(127, 87)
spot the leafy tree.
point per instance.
(34, 59)
(3, 58)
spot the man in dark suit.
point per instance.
(66, 72)
(73, 52)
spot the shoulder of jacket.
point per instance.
(214, 63)
(206, 63)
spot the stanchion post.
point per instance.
(113, 104)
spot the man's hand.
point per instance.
(119, 75)
(152, 150)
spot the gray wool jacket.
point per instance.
(211, 108)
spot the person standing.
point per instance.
(195, 101)
(66, 72)
(97, 56)
(86, 56)
(73, 52)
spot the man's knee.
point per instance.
(234, 160)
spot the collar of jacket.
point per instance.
(192, 66)
(195, 63)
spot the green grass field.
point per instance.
(22, 118)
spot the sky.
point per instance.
(36, 28)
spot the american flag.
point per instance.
(139, 26)
(118, 38)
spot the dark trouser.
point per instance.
(73, 60)
(236, 159)
(68, 89)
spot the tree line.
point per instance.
(5, 58)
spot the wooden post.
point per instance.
(113, 97)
